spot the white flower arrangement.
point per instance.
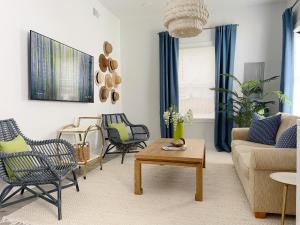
(171, 116)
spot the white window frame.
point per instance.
(187, 45)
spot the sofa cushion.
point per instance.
(244, 163)
(286, 122)
(263, 130)
(18, 144)
(239, 147)
(121, 127)
(288, 139)
(235, 143)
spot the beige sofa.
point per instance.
(255, 162)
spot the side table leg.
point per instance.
(100, 162)
(199, 182)
(285, 190)
(84, 171)
(138, 178)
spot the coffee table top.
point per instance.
(194, 153)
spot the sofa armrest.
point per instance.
(274, 159)
(240, 134)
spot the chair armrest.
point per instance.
(113, 135)
(53, 149)
(22, 163)
(274, 159)
(142, 129)
(240, 134)
(53, 143)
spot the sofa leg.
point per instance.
(260, 215)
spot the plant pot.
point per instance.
(179, 131)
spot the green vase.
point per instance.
(179, 131)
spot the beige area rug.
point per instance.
(106, 198)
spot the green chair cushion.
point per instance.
(121, 127)
(16, 145)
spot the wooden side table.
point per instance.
(286, 179)
(82, 132)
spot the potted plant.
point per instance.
(172, 116)
(247, 99)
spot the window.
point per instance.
(196, 76)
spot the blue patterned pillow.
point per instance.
(288, 139)
(263, 130)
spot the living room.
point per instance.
(211, 84)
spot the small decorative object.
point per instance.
(114, 96)
(82, 154)
(99, 78)
(112, 64)
(107, 48)
(103, 63)
(178, 143)
(172, 116)
(108, 81)
(248, 99)
(171, 147)
(185, 18)
(116, 79)
(103, 94)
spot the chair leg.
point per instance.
(123, 155)
(5, 192)
(125, 149)
(22, 191)
(75, 181)
(59, 200)
(144, 143)
(109, 147)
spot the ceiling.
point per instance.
(123, 8)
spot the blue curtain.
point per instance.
(225, 41)
(169, 50)
(287, 67)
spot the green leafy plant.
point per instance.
(248, 99)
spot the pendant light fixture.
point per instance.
(185, 18)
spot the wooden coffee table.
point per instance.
(194, 156)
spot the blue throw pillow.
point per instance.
(288, 139)
(263, 130)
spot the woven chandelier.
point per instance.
(185, 18)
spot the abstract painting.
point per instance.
(59, 72)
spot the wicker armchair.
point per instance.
(48, 163)
(139, 135)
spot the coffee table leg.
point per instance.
(285, 189)
(199, 187)
(138, 178)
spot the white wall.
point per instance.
(258, 40)
(68, 21)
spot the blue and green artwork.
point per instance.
(59, 72)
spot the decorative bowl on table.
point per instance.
(175, 145)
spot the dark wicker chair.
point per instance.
(139, 135)
(48, 163)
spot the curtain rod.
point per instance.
(209, 28)
(294, 4)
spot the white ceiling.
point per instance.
(122, 8)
